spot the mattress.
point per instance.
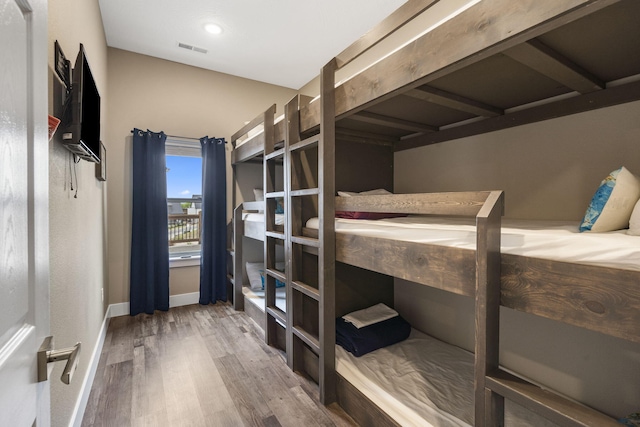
(422, 381)
(257, 297)
(259, 217)
(553, 240)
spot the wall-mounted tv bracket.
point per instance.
(63, 66)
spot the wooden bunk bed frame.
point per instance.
(495, 65)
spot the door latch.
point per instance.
(47, 355)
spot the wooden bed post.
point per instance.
(489, 406)
(292, 222)
(238, 232)
(327, 252)
(270, 234)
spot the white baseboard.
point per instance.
(114, 310)
(85, 390)
(184, 299)
(122, 309)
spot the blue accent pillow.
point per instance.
(279, 284)
(279, 205)
(632, 420)
(613, 202)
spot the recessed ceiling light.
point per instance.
(213, 28)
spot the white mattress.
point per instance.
(554, 240)
(422, 381)
(259, 217)
(257, 297)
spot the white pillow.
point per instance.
(253, 274)
(376, 192)
(258, 194)
(634, 221)
(612, 204)
(346, 194)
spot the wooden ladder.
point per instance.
(310, 267)
(273, 193)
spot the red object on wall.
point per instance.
(53, 125)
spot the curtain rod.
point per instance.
(181, 137)
(187, 137)
(193, 139)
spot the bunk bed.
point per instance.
(491, 65)
(249, 217)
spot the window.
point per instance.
(184, 201)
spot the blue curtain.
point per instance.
(213, 270)
(149, 278)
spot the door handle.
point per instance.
(47, 355)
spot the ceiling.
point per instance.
(282, 42)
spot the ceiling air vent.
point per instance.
(193, 48)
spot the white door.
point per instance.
(24, 220)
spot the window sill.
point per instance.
(184, 261)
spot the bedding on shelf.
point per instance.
(257, 297)
(422, 381)
(553, 240)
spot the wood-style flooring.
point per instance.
(199, 366)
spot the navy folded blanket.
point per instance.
(365, 340)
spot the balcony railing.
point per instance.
(184, 228)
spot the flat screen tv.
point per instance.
(82, 135)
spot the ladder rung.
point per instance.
(278, 314)
(277, 275)
(274, 194)
(312, 140)
(309, 291)
(309, 339)
(307, 241)
(274, 235)
(548, 404)
(274, 154)
(231, 279)
(305, 192)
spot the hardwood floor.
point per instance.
(199, 366)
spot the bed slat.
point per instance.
(248, 150)
(425, 264)
(253, 123)
(455, 203)
(601, 299)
